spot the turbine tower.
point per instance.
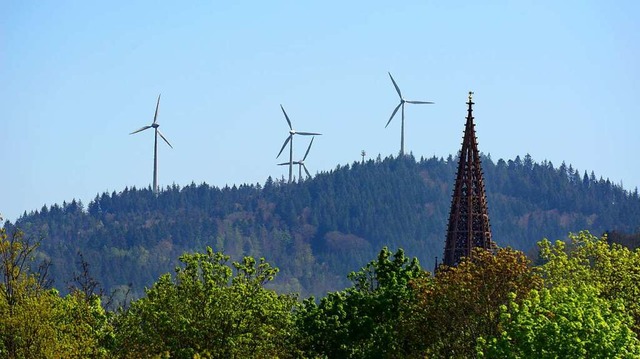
(289, 140)
(155, 126)
(300, 163)
(401, 104)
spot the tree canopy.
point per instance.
(563, 322)
(577, 301)
(211, 309)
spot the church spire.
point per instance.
(468, 219)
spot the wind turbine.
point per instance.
(401, 104)
(155, 126)
(300, 163)
(289, 140)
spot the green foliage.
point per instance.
(563, 322)
(36, 322)
(82, 326)
(580, 302)
(210, 309)
(362, 321)
(610, 268)
(27, 327)
(43, 325)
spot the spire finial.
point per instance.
(470, 96)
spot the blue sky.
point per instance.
(556, 79)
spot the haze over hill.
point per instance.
(318, 230)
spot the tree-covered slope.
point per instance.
(318, 230)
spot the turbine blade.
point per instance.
(395, 85)
(155, 117)
(308, 134)
(421, 102)
(141, 129)
(283, 164)
(284, 145)
(393, 114)
(305, 169)
(287, 117)
(308, 148)
(165, 140)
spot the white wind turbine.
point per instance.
(155, 126)
(289, 140)
(401, 104)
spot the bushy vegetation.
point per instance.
(579, 301)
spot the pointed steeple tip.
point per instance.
(468, 218)
(470, 103)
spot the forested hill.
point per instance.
(318, 230)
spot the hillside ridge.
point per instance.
(318, 230)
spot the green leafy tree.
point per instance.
(362, 321)
(610, 268)
(210, 309)
(83, 328)
(36, 322)
(26, 321)
(563, 322)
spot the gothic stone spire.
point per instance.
(469, 219)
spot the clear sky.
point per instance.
(559, 80)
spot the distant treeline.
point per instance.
(318, 230)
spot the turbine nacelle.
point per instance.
(287, 163)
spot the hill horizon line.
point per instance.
(283, 181)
